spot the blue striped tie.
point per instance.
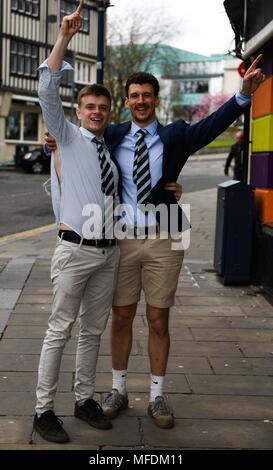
(107, 176)
(107, 187)
(141, 169)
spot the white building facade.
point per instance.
(28, 30)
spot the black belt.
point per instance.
(73, 237)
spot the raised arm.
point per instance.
(202, 133)
(51, 74)
(70, 25)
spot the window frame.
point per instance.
(23, 12)
(16, 56)
(70, 8)
(22, 139)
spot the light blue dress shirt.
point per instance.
(80, 167)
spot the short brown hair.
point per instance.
(140, 78)
(96, 90)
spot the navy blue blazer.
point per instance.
(180, 140)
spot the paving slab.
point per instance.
(210, 434)
(194, 406)
(19, 362)
(233, 334)
(221, 322)
(207, 311)
(26, 332)
(201, 348)
(9, 298)
(32, 290)
(32, 308)
(4, 317)
(246, 366)
(231, 385)
(35, 299)
(27, 381)
(257, 349)
(217, 301)
(30, 319)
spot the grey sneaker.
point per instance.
(160, 413)
(114, 403)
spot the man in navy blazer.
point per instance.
(146, 264)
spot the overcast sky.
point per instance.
(205, 27)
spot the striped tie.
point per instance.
(141, 170)
(107, 176)
(107, 187)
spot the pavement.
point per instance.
(220, 371)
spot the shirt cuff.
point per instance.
(65, 66)
(242, 100)
(51, 80)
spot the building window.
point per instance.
(194, 86)
(68, 76)
(67, 8)
(24, 59)
(22, 126)
(26, 7)
(85, 72)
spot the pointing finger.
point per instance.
(80, 7)
(254, 63)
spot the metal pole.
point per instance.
(246, 144)
(46, 31)
(101, 33)
(72, 112)
(246, 136)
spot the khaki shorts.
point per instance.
(151, 265)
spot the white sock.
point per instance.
(119, 380)
(156, 386)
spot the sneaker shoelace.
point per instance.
(160, 406)
(93, 406)
(113, 399)
(53, 422)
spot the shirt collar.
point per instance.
(88, 134)
(151, 128)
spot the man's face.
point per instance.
(142, 103)
(239, 137)
(94, 113)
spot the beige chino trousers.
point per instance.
(83, 284)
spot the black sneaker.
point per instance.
(92, 412)
(50, 427)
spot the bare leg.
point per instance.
(159, 339)
(122, 335)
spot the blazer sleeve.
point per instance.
(205, 131)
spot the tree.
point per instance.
(130, 48)
(209, 104)
(170, 95)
